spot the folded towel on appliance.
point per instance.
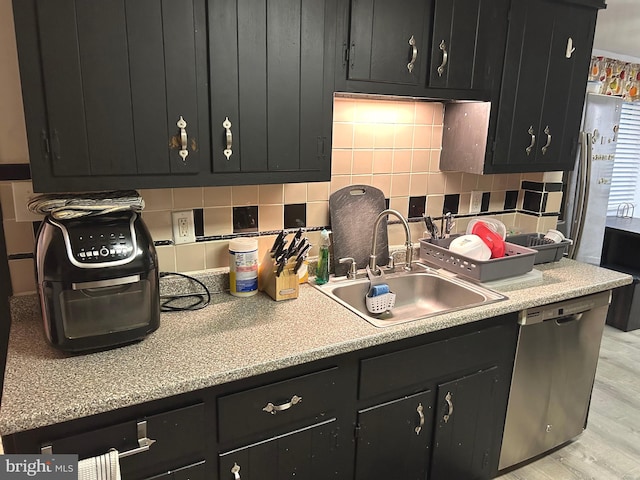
(64, 206)
(102, 467)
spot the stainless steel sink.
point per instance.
(420, 293)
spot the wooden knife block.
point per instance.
(283, 287)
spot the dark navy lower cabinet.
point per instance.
(431, 407)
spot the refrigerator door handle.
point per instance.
(583, 192)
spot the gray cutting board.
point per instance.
(353, 211)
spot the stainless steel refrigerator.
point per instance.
(589, 183)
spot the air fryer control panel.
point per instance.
(108, 242)
(98, 246)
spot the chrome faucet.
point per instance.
(409, 247)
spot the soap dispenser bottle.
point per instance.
(322, 270)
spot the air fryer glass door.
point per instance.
(99, 310)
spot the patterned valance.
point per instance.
(615, 77)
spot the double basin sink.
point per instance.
(420, 293)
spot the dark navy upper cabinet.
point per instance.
(537, 91)
(433, 48)
(457, 45)
(272, 71)
(389, 41)
(545, 74)
(112, 90)
(170, 93)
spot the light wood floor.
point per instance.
(609, 449)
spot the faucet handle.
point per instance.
(353, 268)
(391, 263)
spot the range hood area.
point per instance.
(465, 130)
(464, 136)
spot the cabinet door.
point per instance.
(394, 438)
(309, 454)
(117, 76)
(453, 50)
(380, 36)
(464, 443)
(543, 85)
(271, 80)
(523, 85)
(569, 59)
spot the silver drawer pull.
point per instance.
(414, 54)
(236, 471)
(447, 415)
(273, 409)
(227, 126)
(182, 125)
(143, 443)
(420, 411)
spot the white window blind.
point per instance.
(626, 168)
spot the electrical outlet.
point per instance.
(476, 202)
(183, 227)
(22, 193)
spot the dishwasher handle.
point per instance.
(568, 319)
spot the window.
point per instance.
(626, 168)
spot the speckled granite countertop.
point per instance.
(234, 338)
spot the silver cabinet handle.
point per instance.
(533, 140)
(55, 145)
(546, 147)
(227, 126)
(445, 57)
(46, 149)
(182, 125)
(570, 48)
(414, 54)
(447, 415)
(420, 411)
(273, 409)
(144, 443)
(236, 471)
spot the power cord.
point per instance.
(199, 297)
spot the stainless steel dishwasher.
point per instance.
(554, 370)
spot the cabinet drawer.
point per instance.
(275, 407)
(179, 440)
(414, 366)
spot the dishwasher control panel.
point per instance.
(564, 309)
